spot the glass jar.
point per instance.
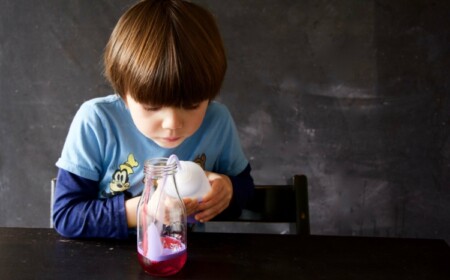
(161, 220)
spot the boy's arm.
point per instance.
(79, 213)
(243, 188)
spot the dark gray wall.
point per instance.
(354, 94)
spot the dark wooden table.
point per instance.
(27, 253)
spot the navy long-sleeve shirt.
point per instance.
(79, 213)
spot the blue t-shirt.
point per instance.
(103, 159)
(104, 145)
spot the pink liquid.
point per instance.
(166, 267)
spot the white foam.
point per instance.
(191, 181)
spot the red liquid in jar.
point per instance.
(170, 265)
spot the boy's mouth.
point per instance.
(171, 139)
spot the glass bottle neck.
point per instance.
(158, 168)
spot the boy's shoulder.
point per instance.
(217, 108)
(99, 104)
(217, 115)
(101, 101)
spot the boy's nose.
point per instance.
(172, 119)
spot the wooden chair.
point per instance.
(279, 209)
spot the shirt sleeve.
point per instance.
(232, 160)
(79, 213)
(233, 163)
(83, 153)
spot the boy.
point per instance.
(166, 62)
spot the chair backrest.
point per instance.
(281, 209)
(52, 198)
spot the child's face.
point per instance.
(166, 126)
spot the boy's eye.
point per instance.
(151, 109)
(192, 107)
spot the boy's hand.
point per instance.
(217, 199)
(191, 205)
(131, 210)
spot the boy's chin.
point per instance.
(168, 145)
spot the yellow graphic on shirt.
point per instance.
(120, 178)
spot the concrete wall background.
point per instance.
(354, 94)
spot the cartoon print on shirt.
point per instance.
(120, 178)
(201, 160)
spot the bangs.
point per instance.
(166, 53)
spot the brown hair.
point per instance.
(166, 53)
